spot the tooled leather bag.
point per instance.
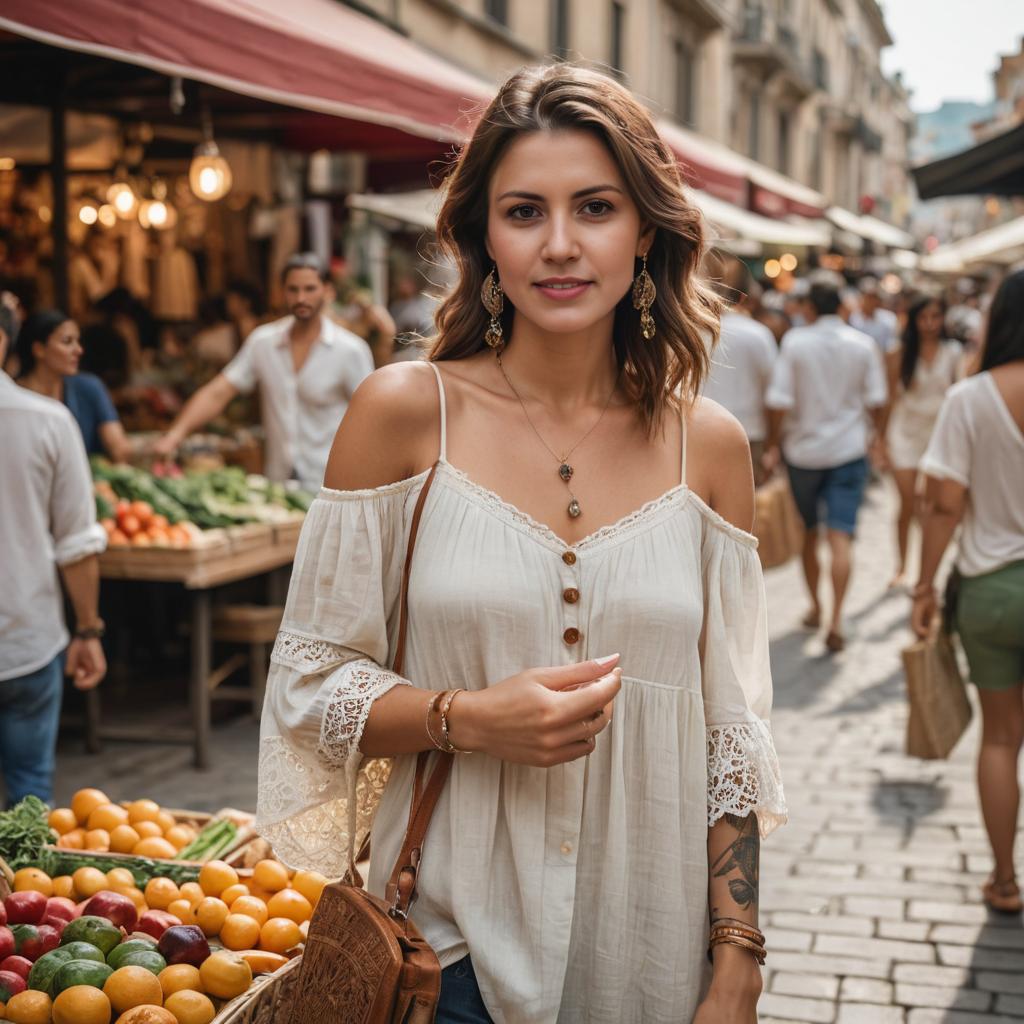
(365, 962)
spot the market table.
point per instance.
(244, 552)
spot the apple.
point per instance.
(6, 942)
(17, 964)
(49, 938)
(59, 923)
(118, 909)
(60, 906)
(27, 907)
(184, 944)
(3, 915)
(80, 908)
(156, 922)
(26, 941)
(10, 985)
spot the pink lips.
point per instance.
(562, 288)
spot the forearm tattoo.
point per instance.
(743, 854)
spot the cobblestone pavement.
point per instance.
(869, 894)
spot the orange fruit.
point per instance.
(178, 977)
(97, 839)
(28, 1007)
(120, 877)
(73, 840)
(179, 836)
(64, 885)
(215, 876)
(232, 892)
(271, 875)
(136, 895)
(290, 903)
(165, 820)
(154, 846)
(147, 1015)
(225, 975)
(211, 914)
(182, 910)
(81, 1004)
(133, 986)
(238, 932)
(142, 810)
(61, 820)
(251, 906)
(190, 1007)
(279, 935)
(148, 829)
(160, 892)
(88, 881)
(304, 928)
(123, 839)
(85, 801)
(310, 884)
(192, 892)
(34, 880)
(107, 817)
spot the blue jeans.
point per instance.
(839, 490)
(461, 1002)
(29, 718)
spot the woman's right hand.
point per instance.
(540, 717)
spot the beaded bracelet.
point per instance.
(758, 952)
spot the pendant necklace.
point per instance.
(565, 470)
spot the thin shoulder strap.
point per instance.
(682, 445)
(444, 412)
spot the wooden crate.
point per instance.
(267, 999)
(250, 536)
(130, 563)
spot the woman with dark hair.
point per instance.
(49, 351)
(975, 479)
(580, 865)
(921, 369)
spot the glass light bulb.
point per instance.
(88, 214)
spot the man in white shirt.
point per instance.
(873, 318)
(741, 364)
(47, 521)
(307, 369)
(827, 383)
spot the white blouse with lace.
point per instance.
(580, 891)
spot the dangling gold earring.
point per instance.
(493, 299)
(644, 294)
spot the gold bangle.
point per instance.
(432, 706)
(756, 951)
(449, 747)
(743, 933)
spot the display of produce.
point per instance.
(174, 953)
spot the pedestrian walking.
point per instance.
(827, 382)
(47, 521)
(575, 857)
(922, 368)
(975, 479)
(741, 365)
(871, 317)
(307, 368)
(49, 350)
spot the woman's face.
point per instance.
(929, 320)
(563, 230)
(62, 350)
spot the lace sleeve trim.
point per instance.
(359, 684)
(744, 775)
(307, 654)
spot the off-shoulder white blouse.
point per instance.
(580, 891)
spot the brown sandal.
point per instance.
(1003, 897)
(812, 620)
(835, 642)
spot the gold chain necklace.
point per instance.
(565, 470)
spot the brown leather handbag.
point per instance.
(365, 962)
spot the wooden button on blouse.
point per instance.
(571, 636)
(572, 595)
(569, 557)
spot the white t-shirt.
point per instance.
(977, 443)
(301, 411)
(826, 377)
(741, 367)
(47, 518)
(882, 326)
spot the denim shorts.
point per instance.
(839, 490)
(461, 1002)
(990, 621)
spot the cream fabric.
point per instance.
(580, 891)
(916, 408)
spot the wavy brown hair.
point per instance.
(567, 96)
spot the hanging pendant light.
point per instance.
(209, 174)
(157, 212)
(121, 196)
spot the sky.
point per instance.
(948, 49)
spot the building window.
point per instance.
(560, 27)
(784, 120)
(685, 80)
(618, 27)
(754, 128)
(497, 10)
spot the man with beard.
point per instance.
(307, 368)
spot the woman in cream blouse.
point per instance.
(583, 571)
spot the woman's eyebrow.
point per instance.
(593, 190)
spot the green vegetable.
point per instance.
(79, 972)
(24, 832)
(215, 839)
(104, 510)
(66, 862)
